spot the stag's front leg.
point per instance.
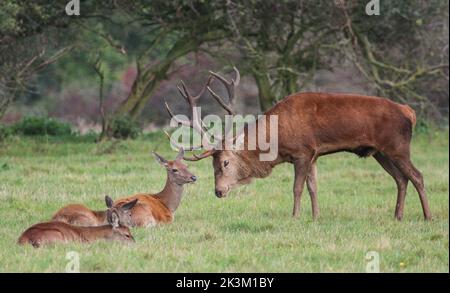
(301, 168)
(312, 189)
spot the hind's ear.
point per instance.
(109, 202)
(129, 205)
(160, 159)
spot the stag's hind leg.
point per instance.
(400, 179)
(312, 189)
(404, 163)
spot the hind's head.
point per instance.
(119, 215)
(121, 233)
(177, 170)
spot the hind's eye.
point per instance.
(174, 170)
(225, 163)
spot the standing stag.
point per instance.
(311, 125)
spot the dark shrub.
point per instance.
(422, 126)
(124, 127)
(42, 126)
(5, 131)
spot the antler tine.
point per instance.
(230, 87)
(221, 102)
(182, 122)
(237, 79)
(183, 94)
(199, 157)
(179, 146)
(186, 94)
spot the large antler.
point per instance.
(230, 86)
(195, 123)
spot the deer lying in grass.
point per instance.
(159, 208)
(80, 215)
(311, 125)
(59, 232)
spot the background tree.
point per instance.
(409, 63)
(281, 45)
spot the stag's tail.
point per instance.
(410, 113)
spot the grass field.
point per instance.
(250, 230)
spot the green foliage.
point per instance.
(8, 22)
(5, 131)
(422, 126)
(123, 128)
(42, 126)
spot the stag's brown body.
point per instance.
(60, 232)
(322, 123)
(311, 125)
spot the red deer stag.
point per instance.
(59, 232)
(311, 125)
(159, 208)
(80, 215)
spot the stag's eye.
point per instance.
(225, 163)
(174, 170)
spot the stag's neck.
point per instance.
(252, 166)
(171, 195)
(251, 160)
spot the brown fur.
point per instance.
(60, 232)
(149, 210)
(159, 208)
(311, 125)
(80, 215)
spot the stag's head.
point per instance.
(230, 168)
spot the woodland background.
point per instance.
(114, 64)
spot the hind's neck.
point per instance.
(171, 195)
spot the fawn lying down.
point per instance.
(60, 232)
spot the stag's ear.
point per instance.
(129, 205)
(114, 220)
(109, 201)
(180, 155)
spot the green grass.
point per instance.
(250, 230)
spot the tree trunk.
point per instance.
(147, 81)
(266, 96)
